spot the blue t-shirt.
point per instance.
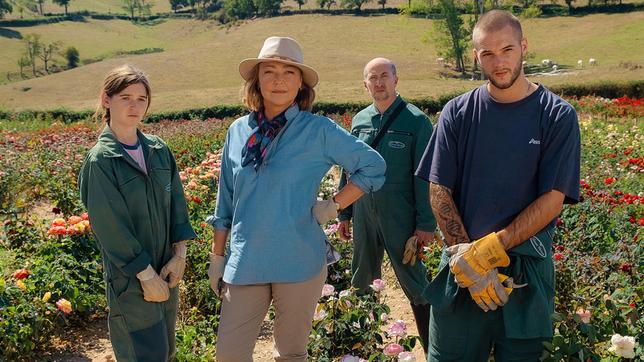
(497, 158)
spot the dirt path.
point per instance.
(92, 343)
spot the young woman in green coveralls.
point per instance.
(130, 185)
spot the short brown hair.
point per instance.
(496, 20)
(253, 100)
(118, 79)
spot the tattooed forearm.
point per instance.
(532, 219)
(447, 215)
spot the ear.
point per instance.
(395, 80)
(105, 100)
(364, 83)
(475, 54)
(524, 46)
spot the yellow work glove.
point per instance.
(411, 251)
(216, 272)
(489, 292)
(154, 288)
(176, 266)
(470, 262)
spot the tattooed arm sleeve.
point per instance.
(447, 215)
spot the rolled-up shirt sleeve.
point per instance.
(222, 218)
(365, 166)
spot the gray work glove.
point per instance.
(176, 266)
(154, 288)
(216, 272)
(325, 210)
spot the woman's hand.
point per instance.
(216, 272)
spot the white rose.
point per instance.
(623, 346)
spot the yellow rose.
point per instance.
(21, 284)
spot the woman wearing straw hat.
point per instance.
(272, 164)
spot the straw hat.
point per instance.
(284, 50)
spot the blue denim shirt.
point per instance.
(274, 236)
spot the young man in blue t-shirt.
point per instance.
(501, 163)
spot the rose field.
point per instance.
(51, 277)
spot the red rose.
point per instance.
(21, 274)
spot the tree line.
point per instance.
(35, 49)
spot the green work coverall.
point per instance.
(135, 217)
(385, 219)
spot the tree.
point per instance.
(382, 2)
(267, 7)
(130, 6)
(239, 9)
(326, 3)
(63, 3)
(300, 3)
(72, 56)
(451, 36)
(353, 4)
(32, 49)
(48, 51)
(5, 8)
(569, 3)
(40, 2)
(144, 7)
(176, 4)
(22, 63)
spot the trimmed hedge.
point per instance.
(82, 15)
(632, 89)
(365, 12)
(17, 23)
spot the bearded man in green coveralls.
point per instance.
(397, 218)
(502, 162)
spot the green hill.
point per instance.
(199, 65)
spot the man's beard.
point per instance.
(514, 74)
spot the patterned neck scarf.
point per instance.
(258, 142)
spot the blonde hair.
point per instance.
(253, 100)
(116, 81)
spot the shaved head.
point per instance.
(378, 61)
(494, 21)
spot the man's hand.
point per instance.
(470, 262)
(424, 237)
(489, 292)
(415, 244)
(344, 230)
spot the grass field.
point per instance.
(199, 65)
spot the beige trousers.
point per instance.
(245, 306)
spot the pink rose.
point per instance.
(584, 314)
(397, 329)
(406, 357)
(328, 290)
(378, 285)
(393, 349)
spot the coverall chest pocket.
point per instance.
(132, 187)
(395, 148)
(162, 179)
